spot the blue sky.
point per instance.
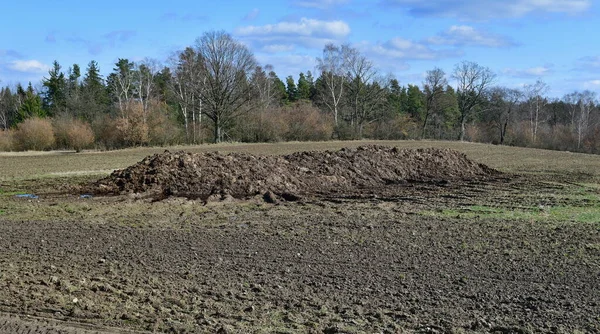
(520, 40)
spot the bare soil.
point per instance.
(215, 175)
(461, 249)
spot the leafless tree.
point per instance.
(472, 82)
(3, 110)
(503, 103)
(365, 89)
(536, 102)
(585, 105)
(186, 83)
(433, 86)
(121, 83)
(264, 84)
(226, 68)
(333, 68)
(144, 83)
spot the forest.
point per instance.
(215, 91)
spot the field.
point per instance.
(516, 253)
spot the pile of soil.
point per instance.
(216, 175)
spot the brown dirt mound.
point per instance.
(216, 175)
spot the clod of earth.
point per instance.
(215, 175)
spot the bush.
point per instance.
(300, 121)
(80, 135)
(106, 133)
(399, 126)
(164, 130)
(34, 134)
(6, 140)
(72, 133)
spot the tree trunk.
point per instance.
(461, 135)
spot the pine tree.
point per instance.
(94, 92)
(55, 90)
(304, 89)
(291, 89)
(31, 105)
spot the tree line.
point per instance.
(215, 91)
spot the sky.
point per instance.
(521, 41)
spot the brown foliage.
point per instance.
(106, 132)
(133, 128)
(400, 126)
(6, 140)
(34, 134)
(162, 129)
(73, 133)
(300, 121)
(80, 135)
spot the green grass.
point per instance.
(589, 214)
(35, 165)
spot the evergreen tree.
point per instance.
(280, 93)
(304, 88)
(31, 106)
(291, 89)
(55, 94)
(312, 87)
(395, 97)
(415, 102)
(94, 93)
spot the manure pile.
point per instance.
(216, 175)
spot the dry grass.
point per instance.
(34, 165)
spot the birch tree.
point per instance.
(536, 102)
(333, 67)
(585, 105)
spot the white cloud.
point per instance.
(400, 48)
(464, 35)
(531, 72)
(488, 9)
(277, 48)
(286, 36)
(28, 66)
(592, 84)
(305, 27)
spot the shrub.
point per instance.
(399, 126)
(162, 129)
(34, 134)
(106, 132)
(72, 133)
(6, 140)
(80, 135)
(306, 123)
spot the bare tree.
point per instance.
(536, 102)
(264, 84)
(186, 84)
(333, 67)
(121, 83)
(503, 103)
(365, 89)
(433, 86)
(226, 67)
(144, 83)
(585, 106)
(3, 110)
(472, 82)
